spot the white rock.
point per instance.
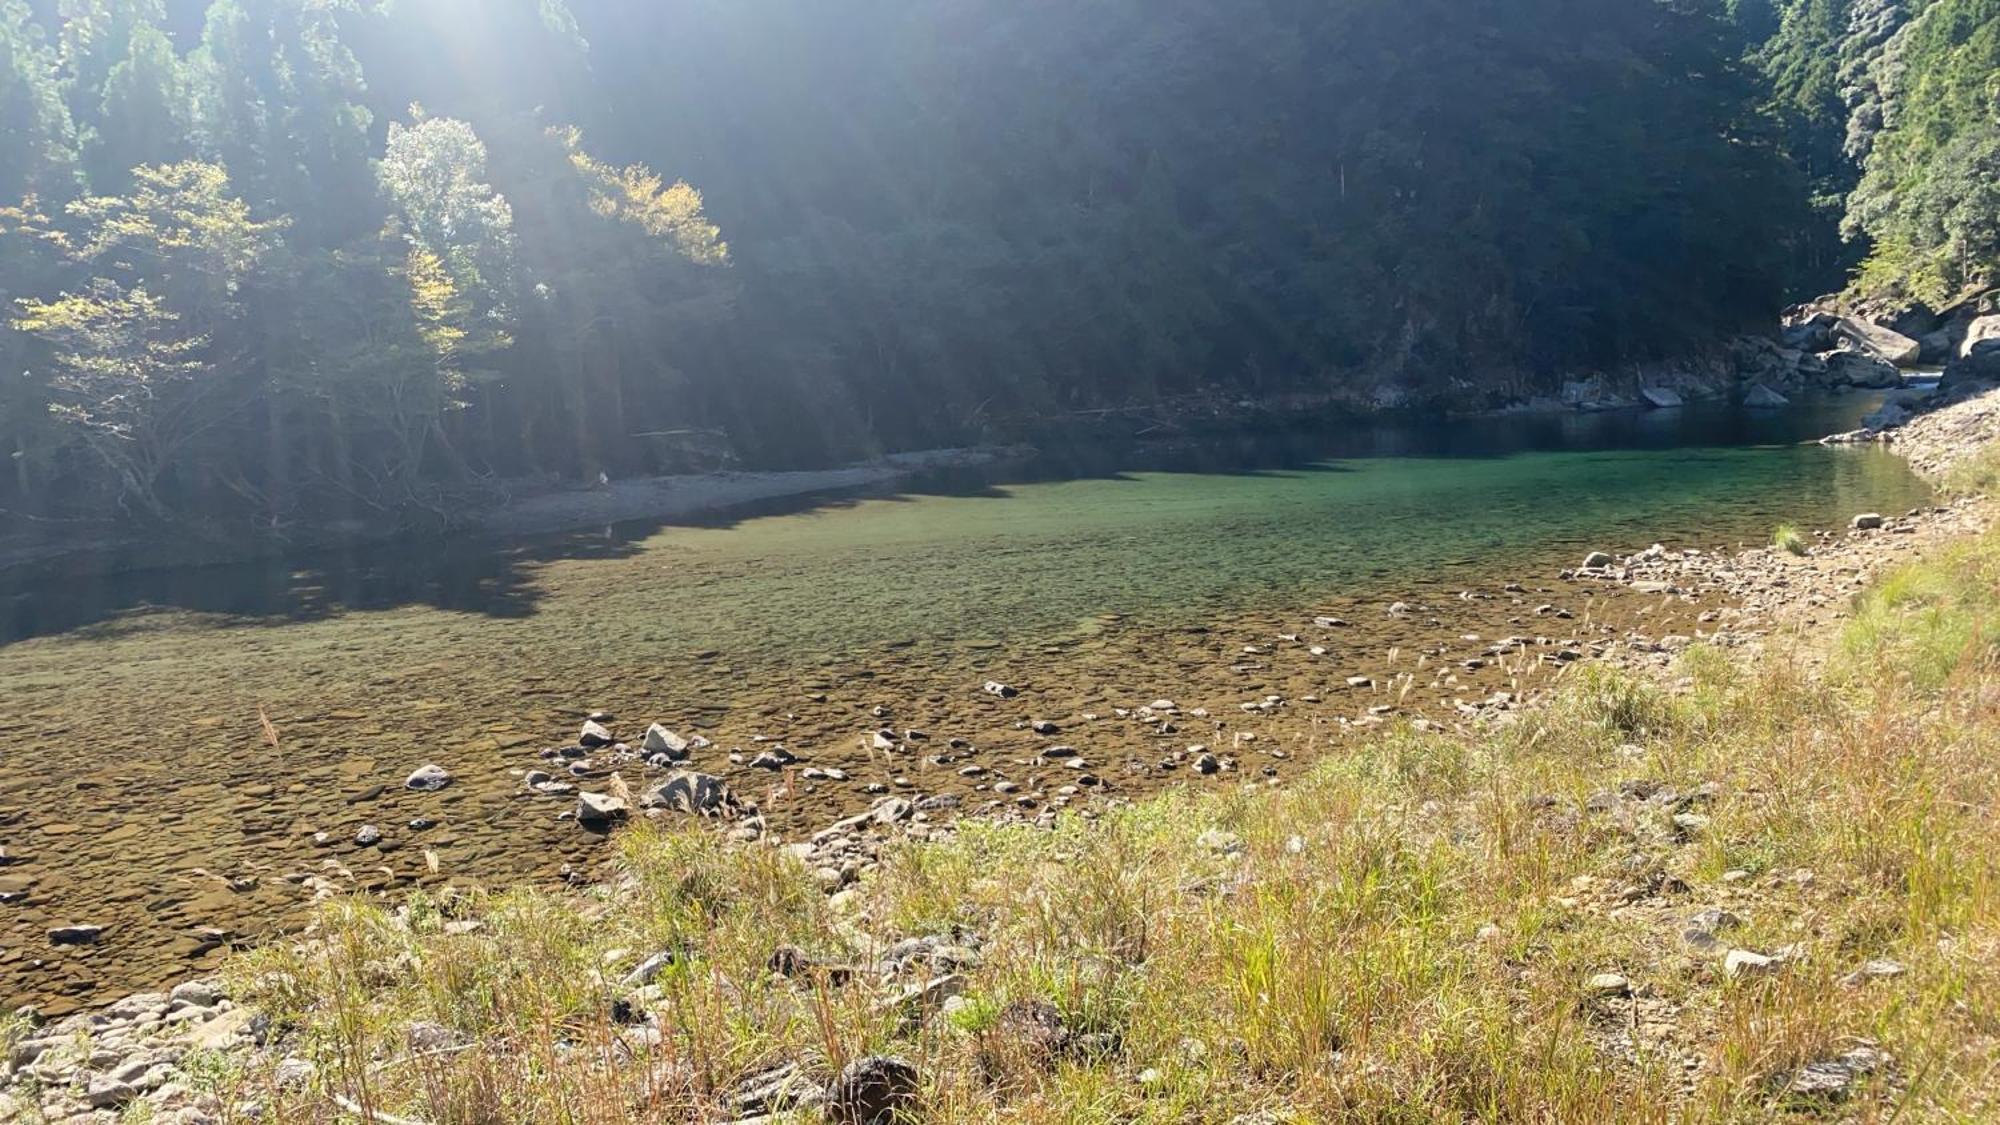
(660, 740)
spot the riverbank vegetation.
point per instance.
(272, 265)
(1754, 889)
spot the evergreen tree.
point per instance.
(37, 138)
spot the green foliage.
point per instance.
(133, 350)
(433, 174)
(37, 137)
(1894, 109)
(928, 224)
(1789, 539)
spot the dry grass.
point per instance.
(1404, 936)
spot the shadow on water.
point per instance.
(498, 579)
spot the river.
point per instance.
(191, 753)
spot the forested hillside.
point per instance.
(1892, 107)
(273, 262)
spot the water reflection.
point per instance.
(498, 579)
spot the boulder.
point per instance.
(1661, 398)
(600, 808)
(1866, 521)
(698, 793)
(1883, 343)
(1761, 397)
(1855, 369)
(594, 734)
(1939, 346)
(1916, 321)
(1596, 560)
(1981, 329)
(1814, 333)
(1979, 366)
(75, 935)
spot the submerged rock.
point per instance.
(75, 935)
(685, 791)
(600, 808)
(660, 740)
(428, 779)
(1761, 397)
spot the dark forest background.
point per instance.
(273, 262)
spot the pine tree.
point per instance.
(37, 138)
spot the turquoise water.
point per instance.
(1168, 533)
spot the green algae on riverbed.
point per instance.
(161, 808)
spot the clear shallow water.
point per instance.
(144, 795)
(1168, 532)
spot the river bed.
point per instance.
(192, 753)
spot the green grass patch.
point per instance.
(1789, 539)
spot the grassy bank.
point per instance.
(1753, 893)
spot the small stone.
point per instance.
(1220, 842)
(424, 1036)
(1832, 1079)
(105, 1092)
(1743, 963)
(195, 993)
(1608, 984)
(1002, 691)
(1866, 521)
(873, 1090)
(891, 810)
(1874, 970)
(75, 935)
(1044, 726)
(368, 836)
(428, 778)
(594, 734)
(1207, 764)
(650, 968)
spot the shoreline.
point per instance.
(1764, 592)
(542, 509)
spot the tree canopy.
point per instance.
(283, 261)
